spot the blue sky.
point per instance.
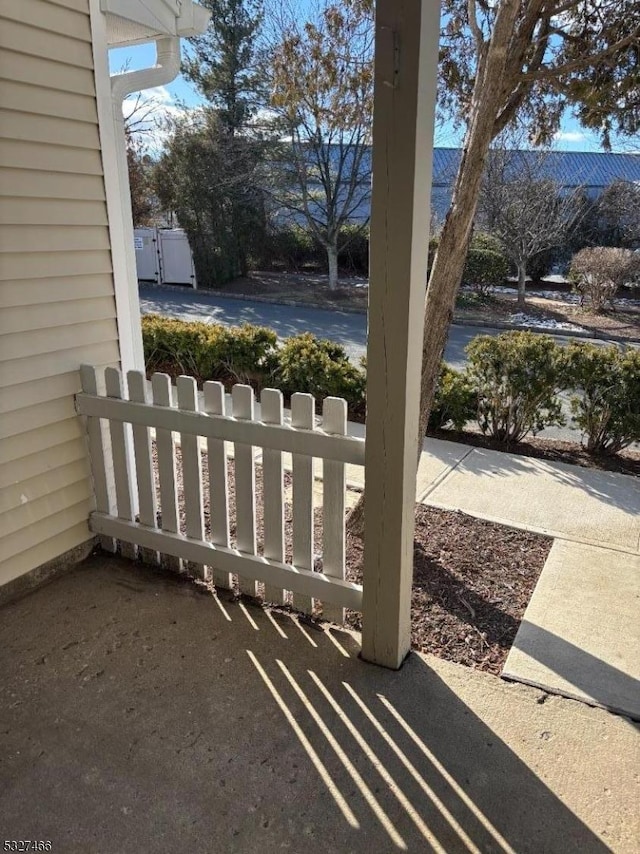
(571, 136)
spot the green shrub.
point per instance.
(296, 249)
(484, 269)
(516, 376)
(249, 353)
(455, 400)
(485, 266)
(607, 404)
(353, 249)
(208, 351)
(542, 263)
(293, 248)
(484, 240)
(182, 347)
(308, 364)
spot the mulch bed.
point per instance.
(619, 324)
(472, 582)
(472, 579)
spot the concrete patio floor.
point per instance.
(140, 713)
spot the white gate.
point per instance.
(181, 529)
(164, 256)
(145, 241)
(175, 258)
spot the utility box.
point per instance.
(175, 258)
(163, 256)
(145, 241)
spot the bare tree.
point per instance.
(598, 272)
(142, 119)
(502, 61)
(526, 209)
(323, 92)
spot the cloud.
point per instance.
(570, 136)
(148, 114)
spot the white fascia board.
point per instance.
(155, 15)
(132, 22)
(196, 23)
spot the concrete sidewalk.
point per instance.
(580, 636)
(139, 714)
(560, 500)
(564, 501)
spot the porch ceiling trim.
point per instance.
(132, 22)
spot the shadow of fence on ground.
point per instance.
(216, 721)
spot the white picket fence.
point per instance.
(157, 530)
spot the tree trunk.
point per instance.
(522, 285)
(332, 257)
(448, 263)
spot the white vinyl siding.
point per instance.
(56, 283)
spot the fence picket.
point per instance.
(302, 417)
(165, 452)
(147, 505)
(214, 404)
(191, 470)
(243, 409)
(332, 445)
(334, 421)
(121, 461)
(96, 440)
(272, 408)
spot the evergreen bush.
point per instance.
(516, 376)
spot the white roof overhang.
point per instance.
(132, 22)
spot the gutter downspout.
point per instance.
(166, 69)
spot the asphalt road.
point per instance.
(345, 328)
(350, 330)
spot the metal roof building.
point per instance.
(592, 170)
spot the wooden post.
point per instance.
(406, 57)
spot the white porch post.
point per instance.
(406, 55)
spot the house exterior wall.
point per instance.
(56, 282)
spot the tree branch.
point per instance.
(589, 59)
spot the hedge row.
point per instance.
(512, 382)
(296, 249)
(251, 354)
(510, 387)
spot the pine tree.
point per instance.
(223, 210)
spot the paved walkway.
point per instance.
(141, 715)
(565, 501)
(580, 636)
